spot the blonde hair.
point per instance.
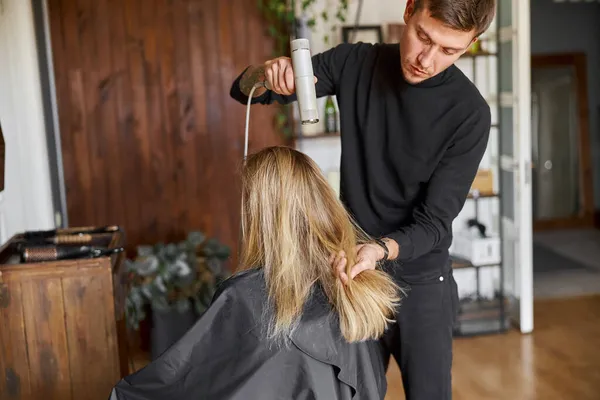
(292, 222)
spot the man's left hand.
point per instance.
(367, 256)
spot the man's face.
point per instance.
(428, 46)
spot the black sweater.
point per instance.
(409, 152)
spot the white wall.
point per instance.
(326, 151)
(26, 202)
(373, 12)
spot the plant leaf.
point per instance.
(196, 238)
(144, 250)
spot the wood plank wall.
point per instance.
(151, 139)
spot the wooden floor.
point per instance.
(560, 360)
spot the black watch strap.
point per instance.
(385, 249)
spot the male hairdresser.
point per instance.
(414, 130)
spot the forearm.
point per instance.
(243, 84)
(418, 238)
(253, 75)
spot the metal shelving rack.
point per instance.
(479, 316)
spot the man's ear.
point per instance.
(408, 11)
(470, 44)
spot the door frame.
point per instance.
(517, 270)
(522, 19)
(585, 219)
(41, 26)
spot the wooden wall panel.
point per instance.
(151, 139)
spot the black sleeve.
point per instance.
(447, 190)
(327, 67)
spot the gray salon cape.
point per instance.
(226, 356)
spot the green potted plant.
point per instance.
(176, 283)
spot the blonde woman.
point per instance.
(284, 326)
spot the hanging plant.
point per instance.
(280, 18)
(339, 12)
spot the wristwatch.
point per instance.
(385, 249)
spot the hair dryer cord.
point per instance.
(256, 86)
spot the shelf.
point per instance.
(473, 309)
(317, 136)
(334, 134)
(478, 54)
(480, 327)
(484, 196)
(478, 317)
(461, 263)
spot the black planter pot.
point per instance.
(168, 327)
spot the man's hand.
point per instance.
(367, 256)
(277, 74)
(280, 76)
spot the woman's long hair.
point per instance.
(292, 222)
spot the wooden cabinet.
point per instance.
(62, 331)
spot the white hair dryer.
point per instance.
(304, 81)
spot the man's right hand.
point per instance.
(277, 74)
(280, 76)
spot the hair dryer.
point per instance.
(304, 81)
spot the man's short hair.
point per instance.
(462, 15)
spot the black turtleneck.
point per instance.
(409, 152)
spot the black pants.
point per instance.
(421, 339)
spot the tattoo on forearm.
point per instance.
(252, 76)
